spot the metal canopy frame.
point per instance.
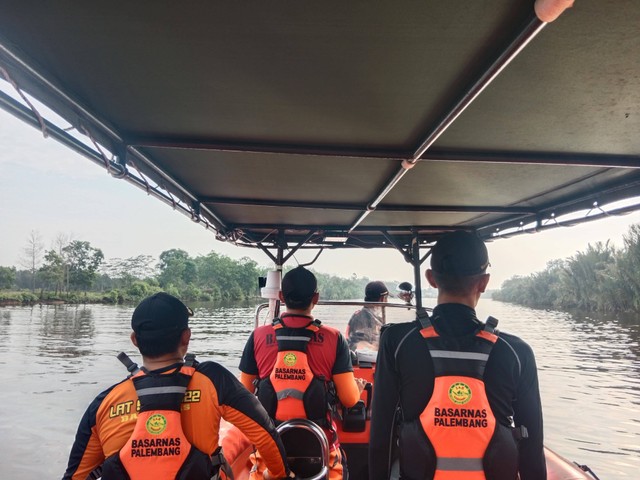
(390, 215)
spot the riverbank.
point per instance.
(20, 298)
(28, 298)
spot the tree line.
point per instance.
(602, 278)
(76, 271)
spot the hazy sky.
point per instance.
(48, 188)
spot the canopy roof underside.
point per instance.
(276, 123)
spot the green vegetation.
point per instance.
(602, 279)
(76, 272)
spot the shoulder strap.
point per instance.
(132, 367)
(490, 325)
(423, 317)
(190, 360)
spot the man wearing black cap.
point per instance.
(363, 329)
(280, 355)
(208, 392)
(468, 394)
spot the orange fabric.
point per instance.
(259, 437)
(233, 441)
(451, 441)
(291, 372)
(201, 417)
(92, 451)
(247, 380)
(347, 388)
(440, 475)
(170, 446)
(458, 419)
(487, 336)
(428, 332)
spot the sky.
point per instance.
(47, 188)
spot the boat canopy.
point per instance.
(333, 124)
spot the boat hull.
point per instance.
(238, 450)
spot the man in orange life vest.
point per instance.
(179, 418)
(277, 358)
(466, 392)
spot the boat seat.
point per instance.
(307, 448)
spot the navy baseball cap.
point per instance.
(459, 253)
(374, 290)
(159, 315)
(298, 286)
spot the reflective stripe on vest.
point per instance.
(458, 419)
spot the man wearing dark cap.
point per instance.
(468, 395)
(363, 329)
(296, 348)
(207, 393)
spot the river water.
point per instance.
(55, 359)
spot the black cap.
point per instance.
(159, 315)
(459, 253)
(298, 287)
(374, 290)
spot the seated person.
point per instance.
(364, 325)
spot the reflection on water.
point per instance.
(55, 359)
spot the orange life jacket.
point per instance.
(158, 447)
(458, 421)
(292, 390)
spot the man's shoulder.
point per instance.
(123, 387)
(516, 344)
(214, 371)
(263, 328)
(329, 329)
(512, 339)
(210, 366)
(397, 331)
(261, 332)
(360, 311)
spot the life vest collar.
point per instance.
(489, 326)
(278, 322)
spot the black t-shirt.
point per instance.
(404, 377)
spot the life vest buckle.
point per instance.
(131, 366)
(490, 325)
(520, 433)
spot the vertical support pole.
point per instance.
(279, 265)
(415, 261)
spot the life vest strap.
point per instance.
(190, 360)
(290, 393)
(520, 433)
(459, 464)
(313, 325)
(491, 324)
(220, 464)
(132, 367)
(423, 317)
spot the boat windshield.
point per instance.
(360, 322)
